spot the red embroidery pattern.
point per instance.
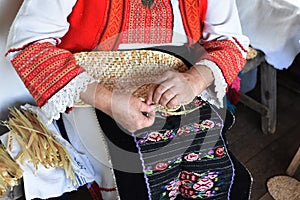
(136, 23)
(227, 56)
(193, 14)
(148, 25)
(45, 69)
(110, 36)
(94, 191)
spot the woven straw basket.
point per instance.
(129, 72)
(284, 188)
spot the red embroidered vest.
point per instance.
(104, 24)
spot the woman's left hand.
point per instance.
(174, 88)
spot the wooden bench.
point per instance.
(268, 92)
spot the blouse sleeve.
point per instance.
(49, 73)
(226, 47)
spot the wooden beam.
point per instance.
(254, 105)
(294, 164)
(253, 63)
(268, 75)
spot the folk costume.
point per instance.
(41, 46)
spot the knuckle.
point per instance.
(160, 89)
(172, 104)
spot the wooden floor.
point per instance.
(266, 156)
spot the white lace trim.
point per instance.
(66, 97)
(215, 93)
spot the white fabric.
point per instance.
(178, 29)
(273, 26)
(222, 22)
(66, 97)
(51, 22)
(37, 21)
(91, 142)
(51, 182)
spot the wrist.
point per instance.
(97, 96)
(202, 77)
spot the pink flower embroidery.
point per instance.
(172, 193)
(161, 166)
(208, 194)
(154, 136)
(208, 124)
(183, 131)
(191, 157)
(203, 184)
(198, 102)
(219, 151)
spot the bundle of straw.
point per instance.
(38, 144)
(10, 171)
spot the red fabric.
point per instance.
(193, 14)
(144, 25)
(87, 22)
(95, 191)
(227, 56)
(234, 96)
(93, 22)
(45, 69)
(110, 39)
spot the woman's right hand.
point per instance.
(125, 109)
(131, 112)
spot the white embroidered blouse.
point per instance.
(47, 21)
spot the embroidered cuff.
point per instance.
(45, 69)
(51, 76)
(215, 93)
(241, 46)
(227, 57)
(67, 96)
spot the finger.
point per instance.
(166, 97)
(160, 85)
(158, 92)
(173, 103)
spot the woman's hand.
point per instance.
(175, 88)
(130, 112)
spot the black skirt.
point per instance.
(179, 157)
